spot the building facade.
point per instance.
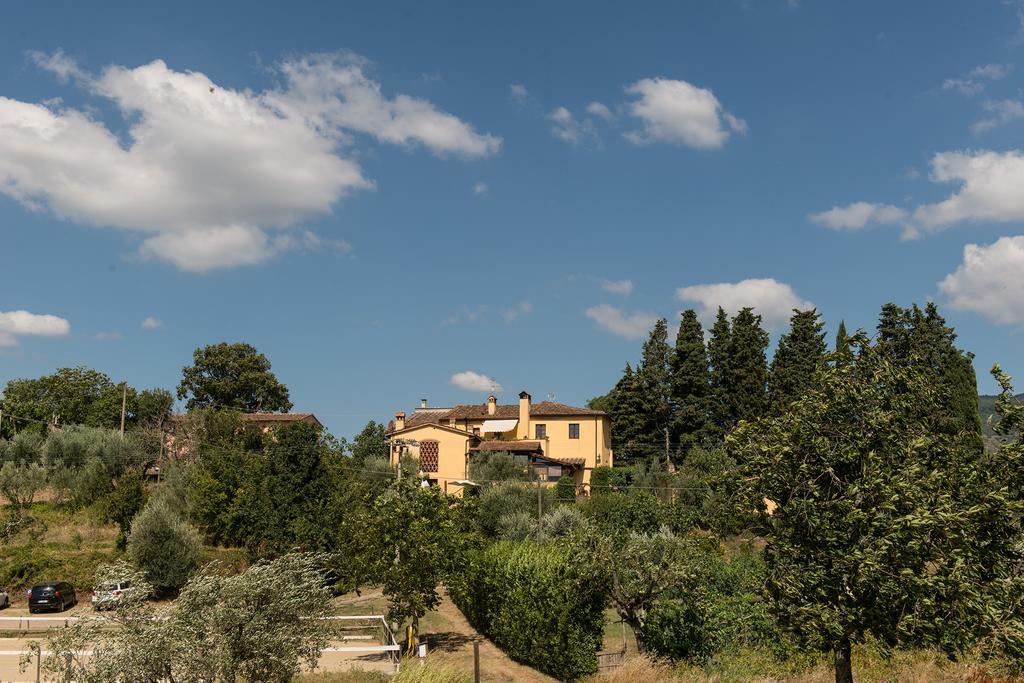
(553, 438)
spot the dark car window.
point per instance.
(42, 590)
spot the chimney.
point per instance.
(523, 429)
(399, 420)
(423, 403)
(492, 405)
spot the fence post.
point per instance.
(39, 662)
(476, 661)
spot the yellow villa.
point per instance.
(554, 438)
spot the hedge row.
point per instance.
(537, 604)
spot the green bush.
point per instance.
(624, 512)
(565, 491)
(496, 502)
(163, 546)
(539, 603)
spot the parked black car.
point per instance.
(52, 595)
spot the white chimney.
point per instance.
(423, 403)
(492, 405)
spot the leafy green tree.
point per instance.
(153, 407)
(414, 546)
(369, 443)
(843, 354)
(720, 405)
(20, 482)
(884, 525)
(232, 376)
(78, 395)
(122, 504)
(565, 490)
(654, 378)
(163, 546)
(486, 468)
(800, 353)
(747, 370)
(691, 385)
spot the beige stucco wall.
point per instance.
(451, 460)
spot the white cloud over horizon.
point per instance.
(14, 324)
(989, 281)
(975, 81)
(474, 381)
(679, 112)
(859, 215)
(634, 325)
(1000, 113)
(192, 174)
(774, 301)
(152, 323)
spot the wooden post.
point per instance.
(39, 662)
(476, 661)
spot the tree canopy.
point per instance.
(232, 376)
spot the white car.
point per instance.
(106, 596)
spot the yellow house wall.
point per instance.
(592, 446)
(451, 457)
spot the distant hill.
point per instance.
(987, 408)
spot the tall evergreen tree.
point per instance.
(719, 406)
(690, 384)
(843, 353)
(894, 332)
(625, 407)
(654, 376)
(800, 354)
(747, 370)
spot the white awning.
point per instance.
(498, 426)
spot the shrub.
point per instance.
(163, 546)
(565, 490)
(541, 604)
(122, 504)
(490, 467)
(495, 502)
(20, 482)
(516, 526)
(563, 522)
(621, 512)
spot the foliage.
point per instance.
(123, 503)
(542, 604)
(690, 385)
(655, 382)
(885, 525)
(261, 625)
(565, 521)
(486, 467)
(84, 461)
(720, 406)
(163, 546)
(624, 512)
(707, 494)
(501, 500)
(565, 490)
(20, 482)
(369, 444)
(516, 526)
(800, 353)
(747, 372)
(232, 376)
(413, 544)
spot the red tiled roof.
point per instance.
(508, 446)
(501, 412)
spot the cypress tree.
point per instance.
(843, 353)
(894, 324)
(800, 354)
(690, 384)
(719, 406)
(625, 408)
(747, 371)
(654, 378)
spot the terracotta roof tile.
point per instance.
(507, 446)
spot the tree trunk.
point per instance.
(844, 668)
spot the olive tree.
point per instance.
(163, 546)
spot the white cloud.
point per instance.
(600, 111)
(207, 171)
(152, 323)
(108, 336)
(990, 189)
(14, 324)
(774, 301)
(480, 187)
(623, 287)
(517, 311)
(990, 281)
(859, 215)
(975, 81)
(1001, 113)
(474, 381)
(567, 128)
(629, 325)
(519, 93)
(680, 113)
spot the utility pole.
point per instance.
(124, 401)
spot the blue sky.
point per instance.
(383, 197)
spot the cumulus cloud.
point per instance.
(600, 111)
(567, 128)
(975, 81)
(623, 287)
(14, 324)
(859, 215)
(680, 113)
(210, 173)
(480, 187)
(152, 323)
(474, 381)
(519, 93)
(1000, 113)
(990, 281)
(989, 190)
(615, 320)
(774, 301)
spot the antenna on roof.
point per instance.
(551, 397)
